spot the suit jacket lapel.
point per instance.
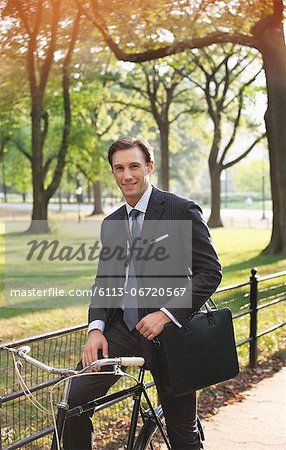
(154, 211)
(121, 213)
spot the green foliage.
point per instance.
(189, 152)
(248, 174)
(100, 85)
(18, 172)
(152, 24)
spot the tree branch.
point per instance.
(67, 109)
(243, 68)
(195, 83)
(84, 172)
(223, 62)
(198, 63)
(191, 110)
(215, 145)
(170, 92)
(247, 83)
(178, 46)
(133, 105)
(235, 128)
(174, 48)
(47, 164)
(181, 92)
(46, 67)
(133, 87)
(225, 87)
(108, 127)
(45, 118)
(208, 57)
(209, 102)
(32, 41)
(239, 158)
(18, 6)
(152, 94)
(38, 21)
(21, 149)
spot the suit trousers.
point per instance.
(180, 413)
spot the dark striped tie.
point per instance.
(130, 300)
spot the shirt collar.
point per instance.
(142, 203)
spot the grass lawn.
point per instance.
(239, 251)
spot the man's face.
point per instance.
(131, 173)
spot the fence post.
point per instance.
(253, 351)
(0, 423)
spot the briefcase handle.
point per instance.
(210, 305)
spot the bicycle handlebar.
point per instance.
(128, 361)
(23, 351)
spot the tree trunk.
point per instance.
(215, 219)
(41, 196)
(164, 175)
(88, 192)
(97, 206)
(215, 169)
(39, 222)
(4, 181)
(60, 200)
(272, 48)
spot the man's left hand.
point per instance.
(152, 324)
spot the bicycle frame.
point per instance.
(137, 391)
(96, 405)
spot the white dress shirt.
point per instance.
(141, 206)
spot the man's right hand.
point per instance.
(95, 341)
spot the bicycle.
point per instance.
(153, 433)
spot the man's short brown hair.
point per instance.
(126, 142)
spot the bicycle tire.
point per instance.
(150, 433)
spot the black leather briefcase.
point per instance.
(200, 354)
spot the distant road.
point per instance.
(232, 217)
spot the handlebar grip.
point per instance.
(132, 361)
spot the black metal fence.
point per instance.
(23, 425)
(246, 300)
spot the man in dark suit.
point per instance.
(117, 327)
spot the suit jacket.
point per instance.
(189, 263)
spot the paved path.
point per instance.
(257, 423)
(240, 218)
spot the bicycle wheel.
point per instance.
(150, 437)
